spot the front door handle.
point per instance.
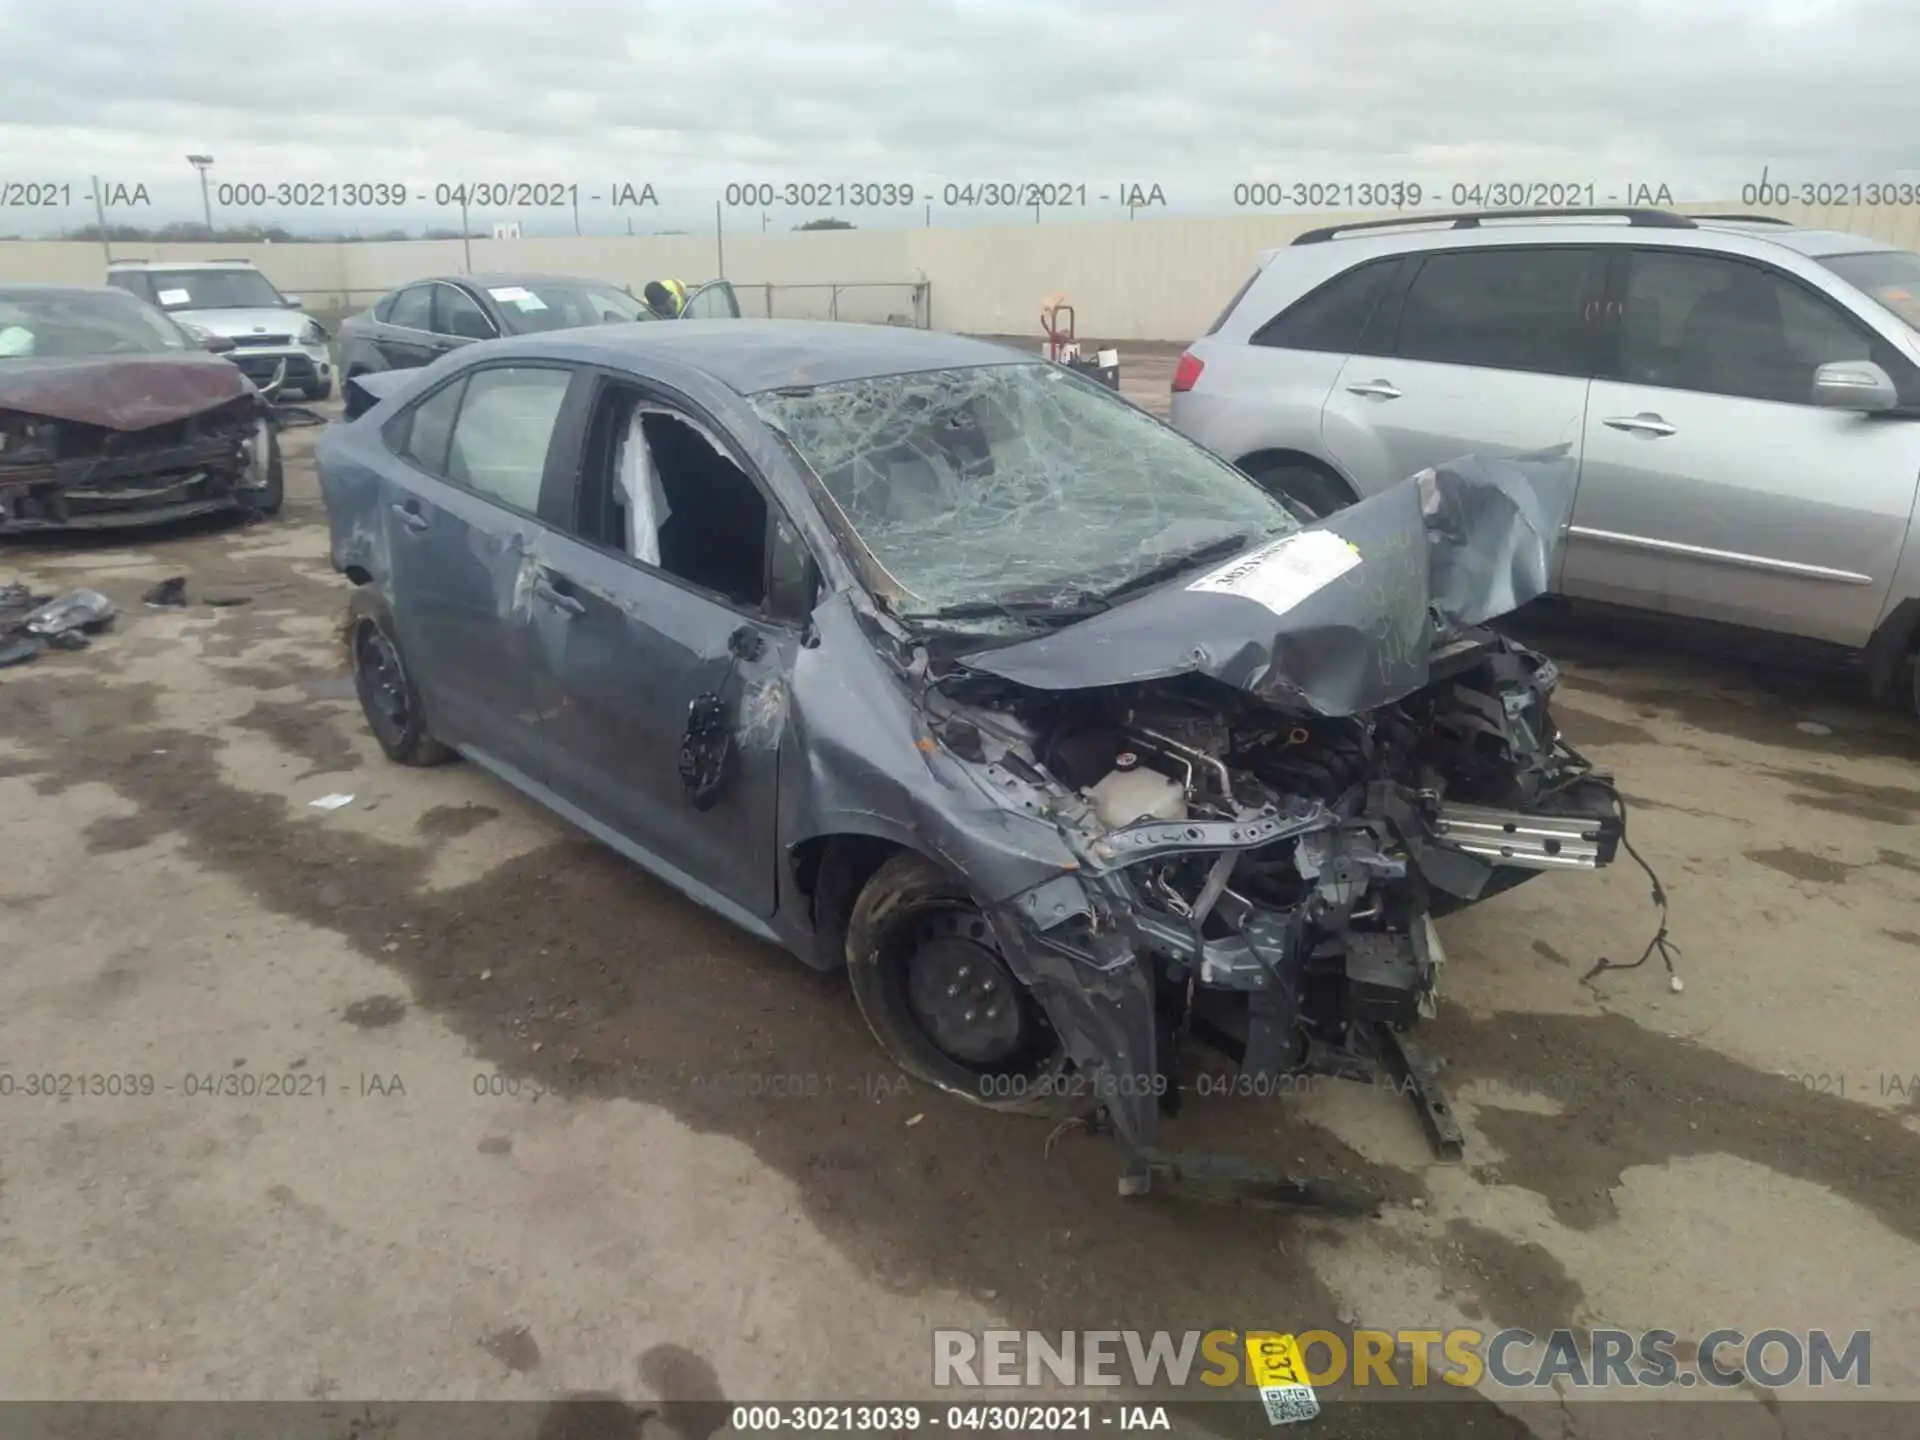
(1375, 390)
(560, 601)
(409, 513)
(1645, 423)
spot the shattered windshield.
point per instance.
(1000, 483)
(71, 326)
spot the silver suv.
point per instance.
(1743, 399)
(233, 300)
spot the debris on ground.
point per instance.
(86, 610)
(223, 602)
(331, 802)
(20, 650)
(171, 591)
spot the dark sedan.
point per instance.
(418, 323)
(936, 662)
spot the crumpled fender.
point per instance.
(857, 758)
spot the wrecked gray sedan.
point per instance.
(923, 658)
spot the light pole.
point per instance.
(203, 163)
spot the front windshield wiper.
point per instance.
(1065, 606)
(1173, 565)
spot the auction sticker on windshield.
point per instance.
(174, 297)
(1281, 575)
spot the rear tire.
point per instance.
(387, 695)
(1309, 492)
(935, 992)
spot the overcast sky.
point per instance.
(1190, 96)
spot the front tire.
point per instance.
(932, 986)
(387, 695)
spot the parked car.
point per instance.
(929, 659)
(111, 414)
(418, 323)
(231, 299)
(1742, 399)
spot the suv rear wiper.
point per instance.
(1176, 564)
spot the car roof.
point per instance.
(181, 265)
(506, 277)
(749, 356)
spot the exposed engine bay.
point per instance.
(1282, 867)
(64, 473)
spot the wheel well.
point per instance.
(831, 870)
(1888, 651)
(1269, 459)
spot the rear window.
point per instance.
(1334, 316)
(1234, 303)
(1890, 277)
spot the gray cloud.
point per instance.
(1192, 97)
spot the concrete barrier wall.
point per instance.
(1147, 279)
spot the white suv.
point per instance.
(1742, 399)
(233, 300)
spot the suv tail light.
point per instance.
(1187, 372)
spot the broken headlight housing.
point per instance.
(26, 439)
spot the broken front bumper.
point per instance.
(1096, 947)
(145, 487)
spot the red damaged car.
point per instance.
(112, 414)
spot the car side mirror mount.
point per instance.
(292, 302)
(216, 344)
(1859, 385)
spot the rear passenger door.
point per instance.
(1485, 350)
(1713, 486)
(464, 523)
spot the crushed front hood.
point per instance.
(1343, 616)
(120, 392)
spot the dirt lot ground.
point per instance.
(1743, 1154)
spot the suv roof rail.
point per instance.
(1470, 220)
(1749, 219)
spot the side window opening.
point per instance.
(424, 432)
(1333, 316)
(666, 494)
(1707, 323)
(1513, 309)
(504, 430)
